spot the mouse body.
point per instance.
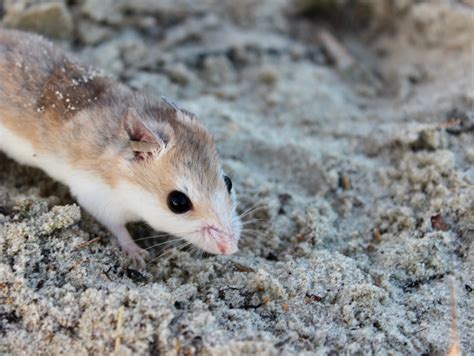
(125, 155)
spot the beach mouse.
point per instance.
(125, 155)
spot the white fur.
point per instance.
(223, 217)
(126, 202)
(92, 193)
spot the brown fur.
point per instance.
(67, 109)
(70, 88)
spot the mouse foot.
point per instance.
(129, 246)
(136, 253)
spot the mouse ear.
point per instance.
(181, 114)
(143, 141)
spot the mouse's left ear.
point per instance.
(143, 141)
(181, 114)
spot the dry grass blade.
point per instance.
(90, 242)
(336, 50)
(118, 337)
(455, 349)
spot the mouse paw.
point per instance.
(136, 253)
(128, 245)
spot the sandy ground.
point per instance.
(360, 161)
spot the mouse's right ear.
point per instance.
(143, 141)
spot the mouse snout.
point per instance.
(224, 242)
(228, 248)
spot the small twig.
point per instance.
(118, 339)
(106, 273)
(90, 242)
(450, 123)
(420, 330)
(337, 52)
(455, 349)
(376, 235)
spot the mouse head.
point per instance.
(180, 187)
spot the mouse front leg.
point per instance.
(102, 203)
(128, 245)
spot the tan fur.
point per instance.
(72, 111)
(70, 88)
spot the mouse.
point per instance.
(125, 155)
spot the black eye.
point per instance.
(179, 202)
(228, 183)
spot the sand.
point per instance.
(360, 161)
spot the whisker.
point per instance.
(146, 238)
(248, 213)
(186, 244)
(253, 221)
(153, 236)
(181, 246)
(246, 230)
(197, 251)
(246, 210)
(249, 228)
(141, 239)
(163, 243)
(170, 250)
(252, 210)
(257, 204)
(253, 235)
(164, 234)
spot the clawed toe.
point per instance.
(129, 246)
(137, 254)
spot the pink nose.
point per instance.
(225, 242)
(227, 248)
